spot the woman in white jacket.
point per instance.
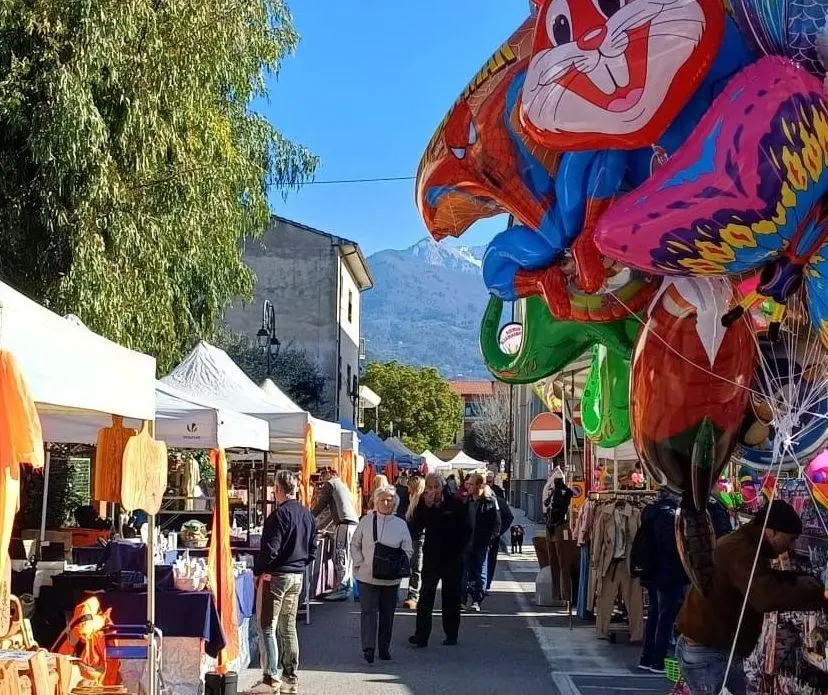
(378, 597)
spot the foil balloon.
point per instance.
(799, 384)
(689, 391)
(479, 162)
(519, 263)
(615, 74)
(745, 192)
(817, 474)
(605, 404)
(790, 28)
(548, 345)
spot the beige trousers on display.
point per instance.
(618, 579)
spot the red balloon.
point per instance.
(614, 75)
(680, 396)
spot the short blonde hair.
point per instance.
(386, 491)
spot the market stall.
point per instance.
(433, 463)
(463, 462)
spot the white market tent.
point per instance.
(463, 462)
(208, 373)
(72, 371)
(433, 463)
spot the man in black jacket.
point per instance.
(288, 546)
(484, 518)
(443, 518)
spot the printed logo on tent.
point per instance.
(192, 428)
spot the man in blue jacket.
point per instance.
(288, 546)
(664, 576)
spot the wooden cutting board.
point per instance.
(143, 473)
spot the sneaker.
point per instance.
(290, 686)
(410, 604)
(266, 686)
(657, 669)
(475, 607)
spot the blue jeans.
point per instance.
(277, 602)
(664, 607)
(703, 669)
(475, 563)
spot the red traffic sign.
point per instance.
(546, 435)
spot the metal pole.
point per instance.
(151, 656)
(45, 505)
(511, 442)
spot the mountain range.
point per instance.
(425, 308)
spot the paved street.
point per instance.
(510, 647)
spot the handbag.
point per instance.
(389, 563)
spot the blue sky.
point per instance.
(366, 89)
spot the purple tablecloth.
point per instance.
(177, 614)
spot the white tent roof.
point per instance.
(180, 420)
(623, 452)
(209, 373)
(462, 461)
(434, 463)
(71, 370)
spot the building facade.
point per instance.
(314, 280)
(473, 393)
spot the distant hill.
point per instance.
(425, 308)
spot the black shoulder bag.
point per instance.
(389, 563)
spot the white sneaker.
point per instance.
(475, 607)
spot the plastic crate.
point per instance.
(672, 670)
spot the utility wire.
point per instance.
(369, 180)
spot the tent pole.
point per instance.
(264, 487)
(48, 460)
(151, 656)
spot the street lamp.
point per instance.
(353, 393)
(266, 337)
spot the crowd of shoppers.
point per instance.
(448, 533)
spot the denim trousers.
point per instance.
(664, 608)
(703, 669)
(415, 581)
(475, 564)
(277, 602)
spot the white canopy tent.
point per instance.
(182, 421)
(208, 373)
(463, 462)
(70, 370)
(623, 452)
(433, 463)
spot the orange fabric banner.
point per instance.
(347, 471)
(21, 441)
(220, 564)
(308, 467)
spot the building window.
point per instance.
(348, 383)
(350, 310)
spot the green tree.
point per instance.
(292, 370)
(131, 161)
(424, 411)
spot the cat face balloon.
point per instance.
(613, 74)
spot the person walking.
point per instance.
(378, 597)
(490, 481)
(288, 546)
(506, 519)
(401, 487)
(484, 519)
(336, 500)
(416, 487)
(443, 519)
(709, 624)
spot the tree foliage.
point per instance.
(292, 370)
(131, 162)
(490, 438)
(424, 411)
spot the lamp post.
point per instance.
(266, 337)
(353, 393)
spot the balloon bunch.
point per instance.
(666, 167)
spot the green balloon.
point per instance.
(605, 405)
(548, 345)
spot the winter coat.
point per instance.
(446, 529)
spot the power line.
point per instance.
(379, 179)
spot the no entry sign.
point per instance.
(546, 435)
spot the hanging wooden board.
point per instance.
(109, 453)
(144, 473)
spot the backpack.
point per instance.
(644, 553)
